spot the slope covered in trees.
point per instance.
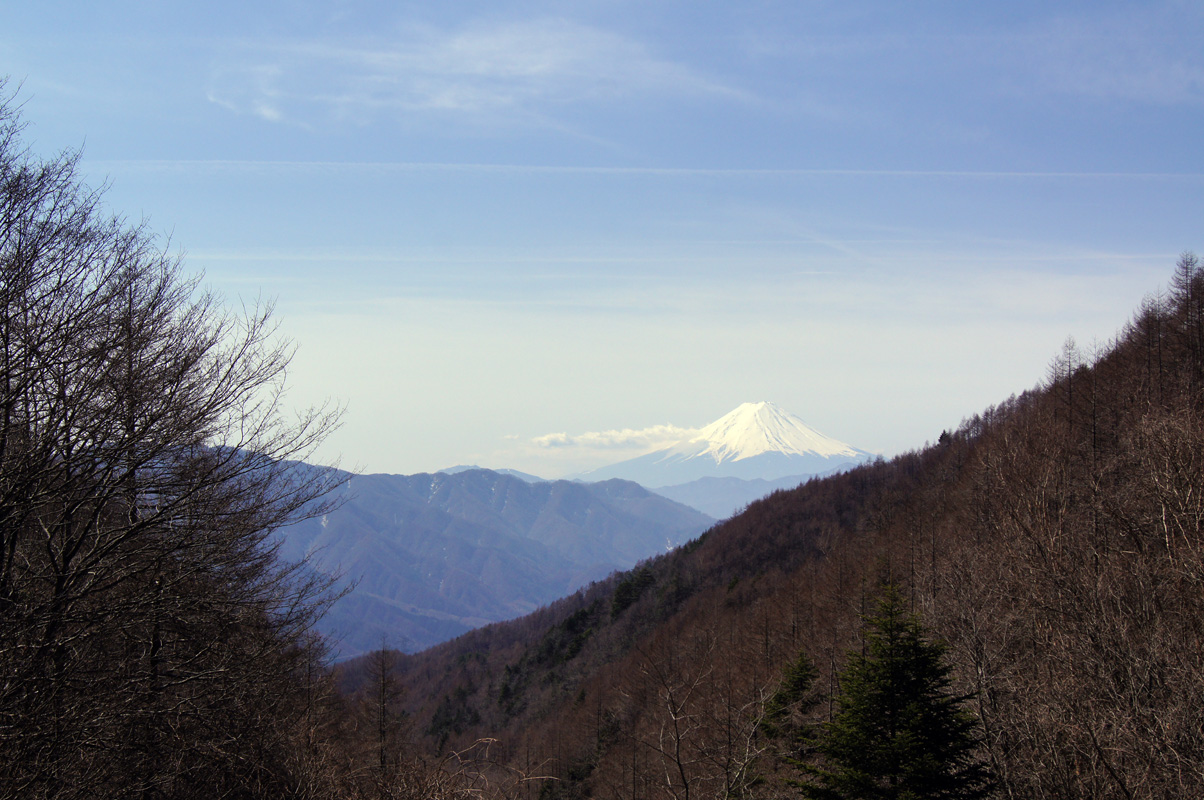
(1052, 543)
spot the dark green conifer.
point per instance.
(900, 732)
(786, 725)
(793, 698)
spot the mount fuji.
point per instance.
(755, 442)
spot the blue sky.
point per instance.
(484, 223)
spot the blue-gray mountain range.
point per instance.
(431, 556)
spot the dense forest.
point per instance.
(1032, 584)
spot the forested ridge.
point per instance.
(1051, 543)
(1031, 584)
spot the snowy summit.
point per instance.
(756, 440)
(756, 428)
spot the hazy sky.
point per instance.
(484, 223)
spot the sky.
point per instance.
(551, 235)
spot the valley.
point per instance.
(425, 558)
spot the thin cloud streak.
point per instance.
(417, 166)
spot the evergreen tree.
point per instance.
(900, 733)
(793, 699)
(786, 724)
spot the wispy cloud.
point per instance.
(382, 167)
(643, 439)
(565, 454)
(513, 70)
(1142, 54)
(1131, 55)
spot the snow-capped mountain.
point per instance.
(756, 440)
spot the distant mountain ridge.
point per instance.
(754, 441)
(431, 556)
(514, 473)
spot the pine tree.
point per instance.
(900, 732)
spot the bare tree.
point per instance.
(704, 708)
(146, 458)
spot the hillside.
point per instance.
(1054, 542)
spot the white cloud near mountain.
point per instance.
(644, 439)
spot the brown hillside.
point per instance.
(1054, 542)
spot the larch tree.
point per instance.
(150, 640)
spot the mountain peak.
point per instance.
(755, 440)
(755, 428)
